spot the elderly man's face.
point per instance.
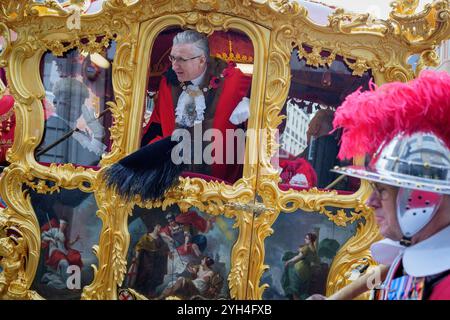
(383, 201)
(188, 63)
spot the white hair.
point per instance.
(193, 37)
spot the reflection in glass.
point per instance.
(208, 92)
(7, 118)
(69, 229)
(308, 146)
(78, 85)
(300, 253)
(173, 254)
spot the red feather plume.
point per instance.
(372, 117)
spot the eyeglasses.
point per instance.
(180, 59)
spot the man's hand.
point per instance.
(83, 126)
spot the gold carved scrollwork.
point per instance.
(206, 5)
(314, 58)
(20, 248)
(14, 11)
(6, 47)
(205, 23)
(12, 255)
(431, 25)
(112, 248)
(352, 253)
(405, 7)
(89, 44)
(428, 58)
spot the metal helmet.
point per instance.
(420, 165)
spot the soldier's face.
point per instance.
(383, 201)
(187, 62)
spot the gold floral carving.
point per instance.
(353, 251)
(428, 58)
(426, 27)
(112, 248)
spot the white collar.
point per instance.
(426, 258)
(198, 81)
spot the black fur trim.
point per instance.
(148, 172)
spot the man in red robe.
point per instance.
(198, 89)
(196, 94)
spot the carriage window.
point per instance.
(203, 100)
(308, 147)
(77, 119)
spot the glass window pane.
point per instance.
(77, 87)
(192, 92)
(308, 146)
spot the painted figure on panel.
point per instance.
(201, 281)
(183, 254)
(297, 272)
(151, 253)
(59, 254)
(298, 268)
(69, 230)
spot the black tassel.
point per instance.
(148, 172)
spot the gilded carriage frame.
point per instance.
(275, 28)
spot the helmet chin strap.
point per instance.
(415, 210)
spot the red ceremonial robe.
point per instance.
(190, 218)
(234, 87)
(442, 290)
(73, 256)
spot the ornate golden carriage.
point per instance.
(296, 57)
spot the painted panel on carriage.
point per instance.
(69, 229)
(77, 88)
(213, 110)
(308, 146)
(300, 253)
(185, 255)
